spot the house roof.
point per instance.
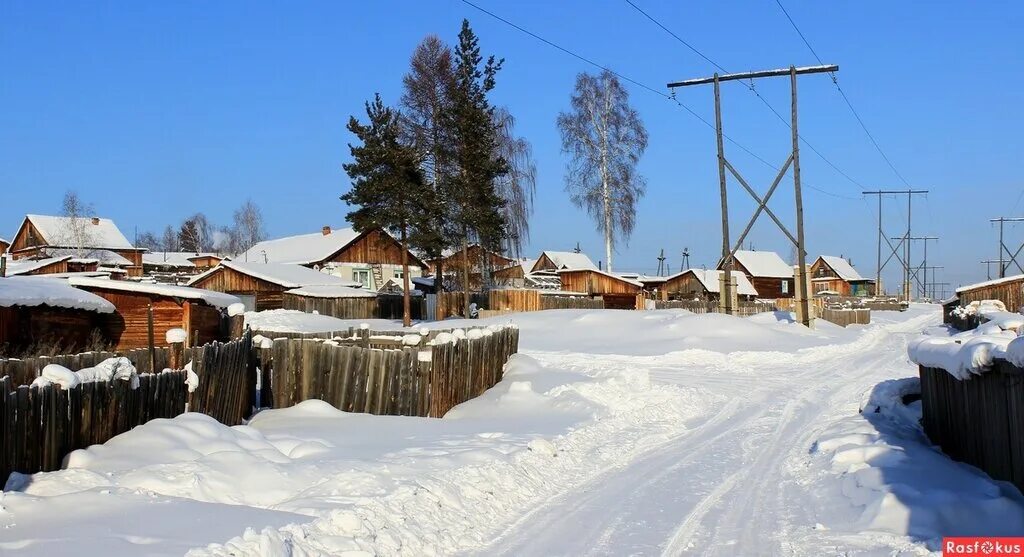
(98, 255)
(304, 249)
(56, 231)
(43, 291)
(764, 264)
(24, 266)
(4, 242)
(605, 273)
(282, 274)
(216, 299)
(842, 267)
(987, 283)
(567, 260)
(173, 258)
(709, 278)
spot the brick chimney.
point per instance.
(326, 230)
(96, 221)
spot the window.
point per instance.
(398, 273)
(785, 286)
(362, 276)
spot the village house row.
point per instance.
(337, 272)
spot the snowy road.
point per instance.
(724, 487)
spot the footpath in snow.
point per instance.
(612, 433)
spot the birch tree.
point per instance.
(76, 230)
(519, 186)
(605, 139)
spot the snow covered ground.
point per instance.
(612, 433)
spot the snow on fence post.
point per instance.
(176, 340)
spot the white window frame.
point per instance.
(357, 273)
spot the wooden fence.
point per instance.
(40, 425)
(382, 306)
(845, 317)
(979, 421)
(743, 309)
(536, 300)
(377, 374)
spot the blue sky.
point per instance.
(155, 110)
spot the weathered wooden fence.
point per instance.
(743, 309)
(516, 300)
(450, 304)
(845, 317)
(382, 306)
(40, 425)
(23, 371)
(378, 374)
(980, 420)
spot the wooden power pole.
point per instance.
(802, 288)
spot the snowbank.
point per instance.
(877, 472)
(971, 352)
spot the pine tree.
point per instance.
(476, 203)
(387, 185)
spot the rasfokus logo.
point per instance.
(982, 546)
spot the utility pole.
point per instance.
(988, 266)
(661, 263)
(910, 193)
(922, 286)
(686, 260)
(1004, 248)
(803, 288)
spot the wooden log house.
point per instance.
(703, 284)
(87, 238)
(369, 258)
(616, 292)
(261, 286)
(767, 272)
(201, 313)
(835, 275)
(1008, 290)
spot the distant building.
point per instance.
(480, 261)
(835, 275)
(703, 284)
(369, 258)
(261, 286)
(84, 239)
(554, 261)
(617, 292)
(770, 276)
(4, 244)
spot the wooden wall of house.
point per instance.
(55, 267)
(834, 284)
(374, 247)
(1010, 293)
(3, 247)
(342, 308)
(21, 327)
(593, 282)
(685, 286)
(205, 324)
(128, 326)
(27, 237)
(268, 294)
(772, 287)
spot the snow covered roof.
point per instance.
(173, 258)
(55, 231)
(709, 280)
(607, 274)
(4, 242)
(568, 260)
(216, 299)
(281, 274)
(24, 266)
(989, 283)
(764, 264)
(43, 291)
(842, 267)
(335, 291)
(104, 256)
(303, 249)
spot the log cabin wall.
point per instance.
(685, 286)
(22, 327)
(1010, 293)
(374, 247)
(595, 283)
(268, 295)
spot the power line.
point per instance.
(835, 81)
(648, 88)
(750, 87)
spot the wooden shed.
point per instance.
(703, 284)
(93, 238)
(343, 302)
(768, 273)
(4, 245)
(261, 286)
(617, 292)
(1008, 290)
(46, 313)
(202, 313)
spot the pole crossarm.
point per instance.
(762, 204)
(828, 68)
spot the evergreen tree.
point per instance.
(388, 188)
(476, 205)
